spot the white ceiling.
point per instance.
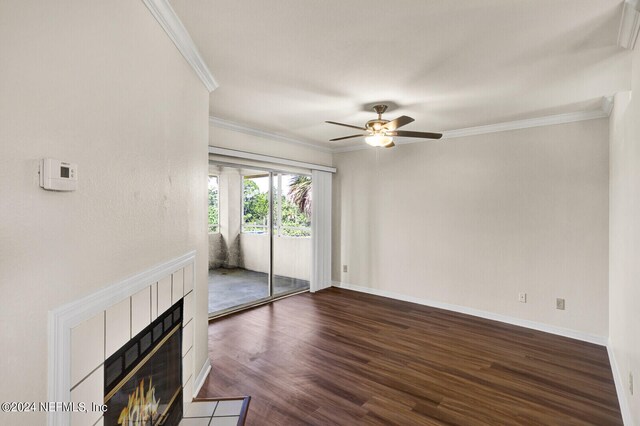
(286, 66)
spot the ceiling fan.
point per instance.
(380, 132)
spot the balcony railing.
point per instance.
(283, 230)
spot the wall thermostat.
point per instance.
(56, 175)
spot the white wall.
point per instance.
(225, 138)
(624, 241)
(255, 252)
(474, 221)
(291, 255)
(102, 85)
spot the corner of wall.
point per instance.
(624, 240)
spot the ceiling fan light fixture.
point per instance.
(379, 131)
(378, 140)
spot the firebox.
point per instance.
(143, 379)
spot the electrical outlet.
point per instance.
(344, 268)
(560, 304)
(522, 297)
(631, 383)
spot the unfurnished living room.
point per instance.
(284, 212)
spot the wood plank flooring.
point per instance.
(346, 358)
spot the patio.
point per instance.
(233, 287)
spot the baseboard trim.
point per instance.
(202, 376)
(619, 381)
(573, 334)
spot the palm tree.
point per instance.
(300, 193)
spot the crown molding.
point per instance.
(607, 105)
(549, 120)
(629, 24)
(527, 123)
(237, 127)
(171, 24)
(358, 147)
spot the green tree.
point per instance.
(213, 204)
(300, 193)
(295, 207)
(256, 204)
(293, 217)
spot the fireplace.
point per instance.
(143, 379)
(95, 342)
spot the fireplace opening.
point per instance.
(143, 379)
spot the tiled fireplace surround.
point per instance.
(84, 333)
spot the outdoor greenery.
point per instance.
(300, 193)
(213, 204)
(295, 208)
(255, 203)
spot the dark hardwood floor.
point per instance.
(346, 358)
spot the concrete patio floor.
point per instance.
(233, 287)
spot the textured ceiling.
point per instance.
(286, 66)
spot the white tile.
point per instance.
(224, 421)
(91, 390)
(87, 347)
(164, 294)
(187, 308)
(140, 310)
(199, 421)
(187, 392)
(178, 286)
(188, 278)
(118, 326)
(187, 367)
(187, 338)
(154, 301)
(200, 409)
(230, 407)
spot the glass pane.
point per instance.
(292, 233)
(214, 208)
(255, 204)
(239, 252)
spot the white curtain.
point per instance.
(320, 230)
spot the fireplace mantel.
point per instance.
(83, 333)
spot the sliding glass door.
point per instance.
(260, 243)
(291, 233)
(239, 253)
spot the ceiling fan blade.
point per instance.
(398, 122)
(409, 134)
(346, 137)
(345, 125)
(390, 145)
